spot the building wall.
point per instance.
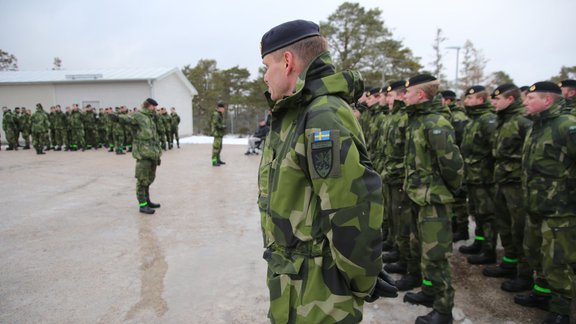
(101, 95)
(170, 92)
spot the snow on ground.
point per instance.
(228, 139)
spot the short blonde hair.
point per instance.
(306, 49)
(430, 89)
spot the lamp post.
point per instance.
(457, 48)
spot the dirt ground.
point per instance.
(75, 249)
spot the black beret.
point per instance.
(38, 105)
(567, 83)
(448, 94)
(394, 85)
(524, 88)
(152, 102)
(419, 79)
(220, 103)
(474, 89)
(503, 88)
(286, 34)
(545, 86)
(374, 91)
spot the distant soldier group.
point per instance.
(75, 129)
(517, 151)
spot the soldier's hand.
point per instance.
(159, 162)
(114, 117)
(384, 287)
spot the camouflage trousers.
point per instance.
(91, 137)
(431, 241)
(162, 139)
(58, 139)
(216, 149)
(175, 136)
(40, 139)
(26, 137)
(460, 211)
(532, 250)
(482, 200)
(559, 260)
(118, 138)
(145, 175)
(387, 223)
(399, 207)
(77, 138)
(11, 137)
(510, 223)
(300, 291)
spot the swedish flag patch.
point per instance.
(322, 136)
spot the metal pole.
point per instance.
(457, 48)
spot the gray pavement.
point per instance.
(74, 249)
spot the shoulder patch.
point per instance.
(324, 154)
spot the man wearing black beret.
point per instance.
(320, 200)
(476, 147)
(434, 172)
(568, 88)
(549, 183)
(146, 150)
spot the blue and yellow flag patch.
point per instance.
(322, 136)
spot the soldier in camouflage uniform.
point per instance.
(549, 182)
(434, 171)
(174, 122)
(477, 142)
(40, 128)
(129, 132)
(217, 128)
(90, 131)
(10, 128)
(17, 114)
(76, 129)
(26, 126)
(319, 198)
(397, 202)
(167, 123)
(362, 108)
(569, 93)
(59, 125)
(102, 125)
(509, 137)
(146, 151)
(160, 128)
(459, 121)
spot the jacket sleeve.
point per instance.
(442, 141)
(350, 194)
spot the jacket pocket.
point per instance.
(564, 245)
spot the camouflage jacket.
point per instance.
(25, 122)
(146, 141)
(167, 122)
(9, 122)
(59, 120)
(76, 120)
(508, 142)
(40, 122)
(175, 120)
(434, 167)
(89, 120)
(394, 142)
(549, 164)
(317, 189)
(477, 142)
(459, 121)
(375, 150)
(217, 125)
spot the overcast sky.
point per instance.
(530, 40)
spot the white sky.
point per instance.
(530, 40)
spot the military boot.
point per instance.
(26, 147)
(396, 267)
(474, 248)
(120, 152)
(517, 284)
(435, 317)
(392, 256)
(553, 318)
(533, 300)
(419, 298)
(482, 258)
(503, 270)
(387, 245)
(147, 210)
(151, 204)
(408, 282)
(461, 234)
(221, 162)
(9, 148)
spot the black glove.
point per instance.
(158, 164)
(384, 287)
(114, 118)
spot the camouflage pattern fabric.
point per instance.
(10, 128)
(167, 122)
(476, 147)
(549, 183)
(532, 250)
(320, 202)
(509, 136)
(118, 133)
(145, 175)
(90, 130)
(40, 128)
(102, 127)
(217, 127)
(25, 127)
(175, 121)
(377, 125)
(459, 120)
(59, 120)
(77, 138)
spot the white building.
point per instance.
(100, 88)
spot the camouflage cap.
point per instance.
(567, 83)
(286, 34)
(545, 86)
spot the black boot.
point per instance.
(392, 256)
(120, 152)
(221, 162)
(482, 258)
(553, 318)
(396, 267)
(474, 248)
(408, 282)
(419, 298)
(387, 245)
(27, 147)
(461, 235)
(518, 284)
(435, 317)
(533, 300)
(146, 210)
(503, 270)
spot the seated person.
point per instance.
(258, 136)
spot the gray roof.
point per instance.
(90, 75)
